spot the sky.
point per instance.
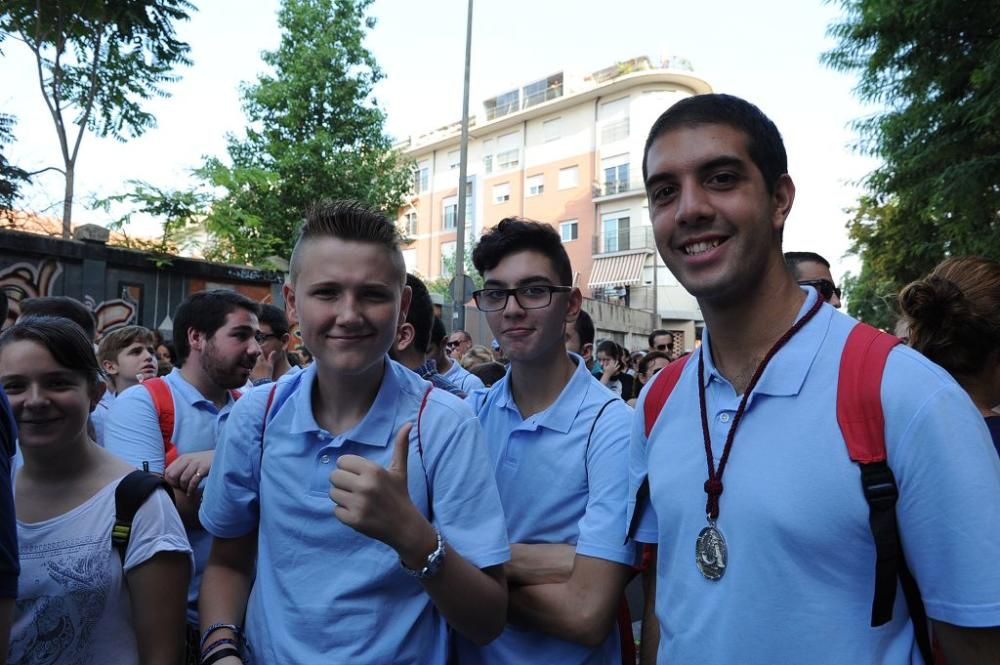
(766, 51)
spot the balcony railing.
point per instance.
(624, 240)
(614, 187)
(552, 92)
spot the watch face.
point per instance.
(433, 564)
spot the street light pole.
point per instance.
(462, 171)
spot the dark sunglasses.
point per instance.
(662, 347)
(825, 287)
(451, 345)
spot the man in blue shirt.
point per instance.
(449, 368)
(410, 348)
(783, 568)
(215, 335)
(559, 443)
(414, 540)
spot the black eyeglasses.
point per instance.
(535, 296)
(825, 287)
(451, 345)
(262, 337)
(662, 347)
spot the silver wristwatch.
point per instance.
(434, 561)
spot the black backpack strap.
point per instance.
(131, 493)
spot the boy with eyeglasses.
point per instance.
(558, 441)
(811, 269)
(273, 337)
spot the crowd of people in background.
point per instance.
(376, 489)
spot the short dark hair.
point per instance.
(438, 331)
(64, 306)
(513, 235)
(488, 373)
(274, 317)
(656, 333)
(119, 339)
(764, 143)
(793, 259)
(584, 327)
(352, 221)
(611, 348)
(206, 312)
(643, 366)
(63, 338)
(421, 313)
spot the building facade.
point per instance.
(565, 150)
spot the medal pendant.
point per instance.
(710, 552)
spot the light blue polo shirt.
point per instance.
(463, 378)
(100, 415)
(555, 489)
(132, 431)
(325, 593)
(800, 577)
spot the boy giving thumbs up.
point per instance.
(414, 539)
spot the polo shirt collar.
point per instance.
(189, 394)
(788, 369)
(377, 428)
(561, 414)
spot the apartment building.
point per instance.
(566, 150)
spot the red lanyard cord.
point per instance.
(713, 486)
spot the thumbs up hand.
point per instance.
(375, 501)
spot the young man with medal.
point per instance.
(765, 552)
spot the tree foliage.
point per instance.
(11, 176)
(933, 67)
(315, 132)
(97, 63)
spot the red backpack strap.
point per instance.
(859, 392)
(163, 402)
(659, 393)
(862, 423)
(236, 394)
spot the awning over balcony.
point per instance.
(617, 270)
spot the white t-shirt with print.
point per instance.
(73, 607)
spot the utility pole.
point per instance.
(462, 171)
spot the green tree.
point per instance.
(11, 176)
(933, 68)
(315, 132)
(97, 63)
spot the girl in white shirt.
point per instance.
(77, 602)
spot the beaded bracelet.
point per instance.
(218, 643)
(219, 655)
(218, 626)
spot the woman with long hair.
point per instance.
(79, 599)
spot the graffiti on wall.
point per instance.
(24, 280)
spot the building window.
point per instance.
(508, 150)
(488, 164)
(614, 120)
(501, 193)
(569, 177)
(411, 224)
(551, 130)
(543, 90)
(616, 174)
(454, 159)
(569, 230)
(615, 233)
(449, 213)
(501, 105)
(536, 185)
(421, 177)
(447, 258)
